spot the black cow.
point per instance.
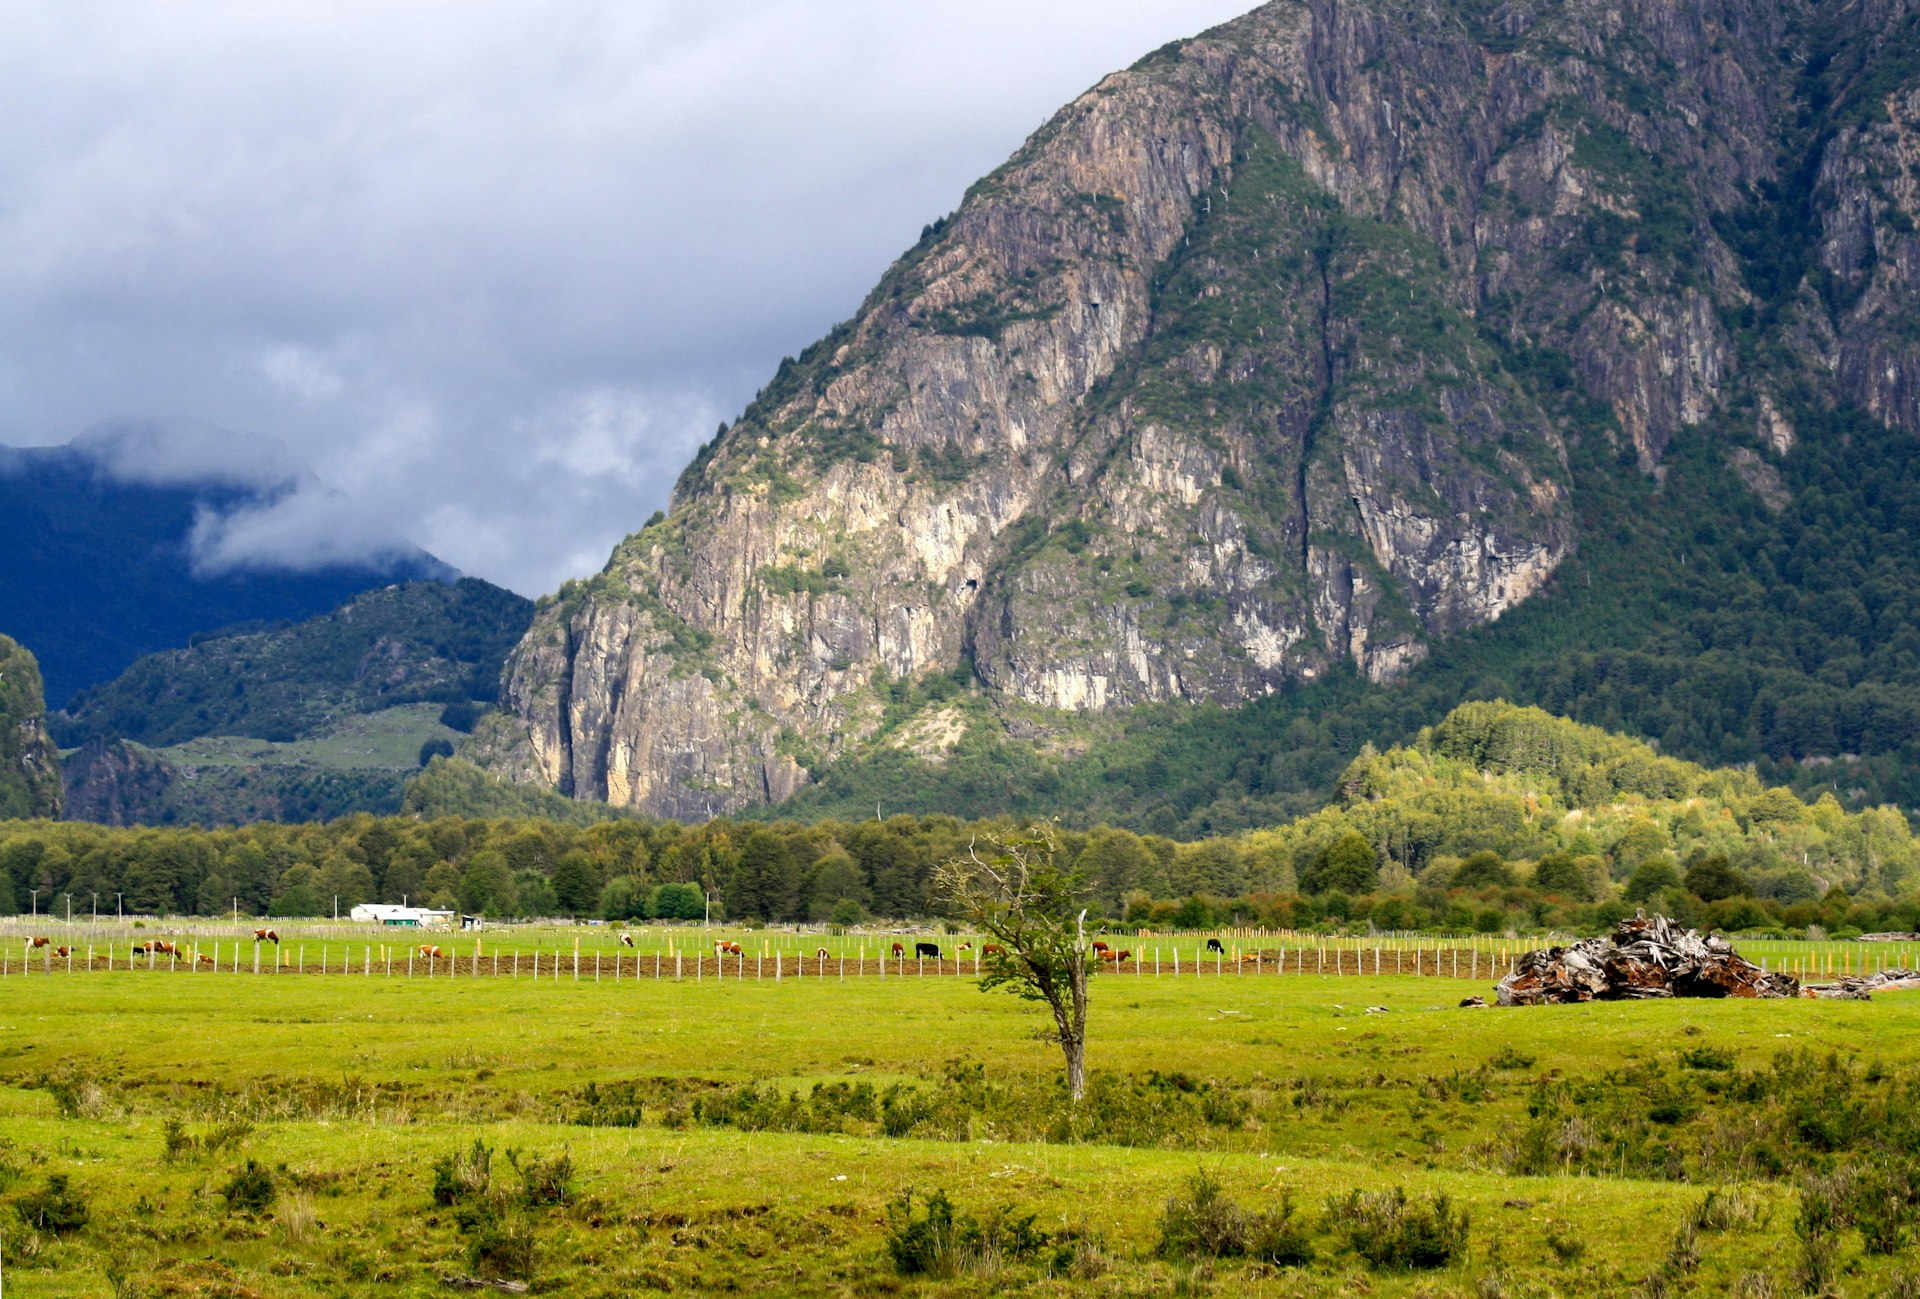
(1213, 945)
(927, 949)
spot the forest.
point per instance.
(1499, 818)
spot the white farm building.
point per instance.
(386, 913)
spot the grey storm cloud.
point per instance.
(490, 271)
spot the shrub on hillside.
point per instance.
(56, 1207)
(1391, 1230)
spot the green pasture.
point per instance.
(597, 951)
(350, 1089)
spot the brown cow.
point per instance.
(626, 940)
(37, 942)
(1123, 958)
(1099, 946)
(165, 949)
(965, 947)
(993, 949)
(899, 950)
(430, 952)
(203, 959)
(266, 936)
(63, 951)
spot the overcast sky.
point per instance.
(492, 269)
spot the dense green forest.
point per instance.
(407, 643)
(1497, 818)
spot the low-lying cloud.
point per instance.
(491, 270)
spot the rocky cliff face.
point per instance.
(29, 764)
(1262, 357)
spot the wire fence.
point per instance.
(601, 953)
(434, 960)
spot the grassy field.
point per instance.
(390, 738)
(730, 1135)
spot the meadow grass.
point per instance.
(349, 1090)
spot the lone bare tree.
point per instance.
(1015, 891)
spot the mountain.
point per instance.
(29, 764)
(1289, 387)
(299, 721)
(101, 568)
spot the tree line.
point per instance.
(1497, 818)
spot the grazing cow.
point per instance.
(723, 948)
(203, 959)
(165, 949)
(1099, 946)
(266, 936)
(1123, 958)
(1249, 958)
(966, 947)
(899, 950)
(822, 953)
(927, 949)
(429, 951)
(138, 951)
(63, 951)
(1214, 945)
(37, 942)
(1108, 955)
(626, 940)
(993, 949)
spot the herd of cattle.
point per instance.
(721, 947)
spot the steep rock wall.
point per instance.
(1252, 362)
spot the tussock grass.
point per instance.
(351, 1095)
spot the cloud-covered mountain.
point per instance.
(138, 535)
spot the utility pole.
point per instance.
(96, 908)
(119, 912)
(36, 902)
(69, 908)
(708, 922)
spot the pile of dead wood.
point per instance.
(1861, 987)
(1644, 957)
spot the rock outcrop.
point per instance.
(1261, 358)
(29, 763)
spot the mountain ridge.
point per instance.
(102, 569)
(1276, 353)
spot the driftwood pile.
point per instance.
(1861, 987)
(1645, 957)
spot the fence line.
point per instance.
(435, 961)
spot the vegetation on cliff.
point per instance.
(29, 764)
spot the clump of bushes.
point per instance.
(1204, 1223)
(544, 1182)
(1391, 1230)
(464, 1175)
(251, 1190)
(938, 1242)
(57, 1207)
(183, 1143)
(501, 1234)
